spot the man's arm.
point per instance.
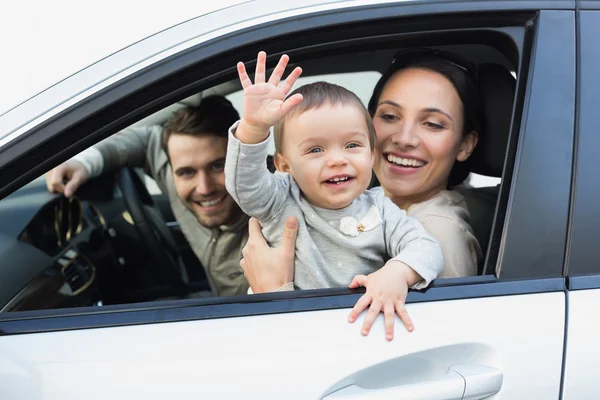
(127, 147)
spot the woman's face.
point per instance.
(419, 124)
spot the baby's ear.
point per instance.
(281, 163)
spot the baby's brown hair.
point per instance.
(315, 95)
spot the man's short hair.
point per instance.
(317, 94)
(213, 116)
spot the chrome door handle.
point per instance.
(461, 382)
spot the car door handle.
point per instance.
(461, 382)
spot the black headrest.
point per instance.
(497, 87)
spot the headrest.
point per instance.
(497, 87)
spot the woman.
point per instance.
(427, 113)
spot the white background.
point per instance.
(43, 42)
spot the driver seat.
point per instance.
(497, 87)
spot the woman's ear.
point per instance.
(467, 146)
(281, 163)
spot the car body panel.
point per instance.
(582, 352)
(294, 355)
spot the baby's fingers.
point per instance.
(357, 281)
(244, 78)
(261, 67)
(279, 70)
(360, 305)
(290, 103)
(371, 315)
(291, 79)
(403, 314)
(388, 314)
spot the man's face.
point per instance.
(198, 170)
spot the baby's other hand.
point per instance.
(387, 289)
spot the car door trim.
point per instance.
(258, 304)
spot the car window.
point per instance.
(116, 244)
(64, 226)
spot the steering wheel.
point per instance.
(152, 230)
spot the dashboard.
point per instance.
(55, 225)
(59, 252)
(53, 250)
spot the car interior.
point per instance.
(89, 250)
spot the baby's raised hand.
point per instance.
(264, 102)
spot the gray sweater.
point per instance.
(325, 256)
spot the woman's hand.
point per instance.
(268, 269)
(264, 102)
(387, 289)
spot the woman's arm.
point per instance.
(269, 269)
(460, 248)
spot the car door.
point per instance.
(582, 353)
(499, 334)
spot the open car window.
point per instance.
(355, 67)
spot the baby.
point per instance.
(324, 153)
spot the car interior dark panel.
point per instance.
(18, 209)
(22, 264)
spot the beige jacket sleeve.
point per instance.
(459, 246)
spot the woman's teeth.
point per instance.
(407, 162)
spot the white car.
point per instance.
(523, 329)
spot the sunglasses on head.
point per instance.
(404, 57)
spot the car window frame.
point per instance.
(583, 253)
(100, 126)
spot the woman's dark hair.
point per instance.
(463, 77)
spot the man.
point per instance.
(186, 157)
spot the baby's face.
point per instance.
(327, 151)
